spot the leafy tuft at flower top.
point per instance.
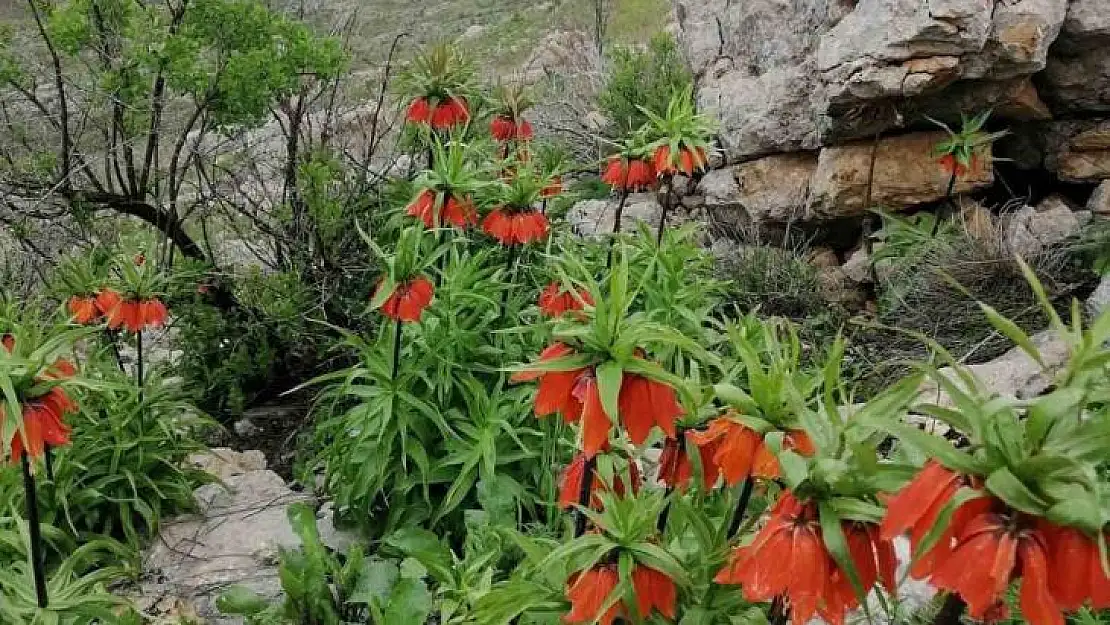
(680, 136)
(508, 123)
(404, 292)
(445, 193)
(133, 299)
(438, 81)
(516, 218)
(961, 152)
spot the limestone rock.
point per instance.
(1014, 374)
(596, 217)
(905, 173)
(858, 267)
(823, 257)
(722, 199)
(1030, 230)
(1077, 76)
(776, 188)
(1099, 203)
(841, 70)
(233, 539)
(1078, 151)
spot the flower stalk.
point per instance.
(741, 507)
(584, 496)
(668, 183)
(38, 567)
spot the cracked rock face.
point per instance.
(789, 75)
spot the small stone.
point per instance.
(1030, 230)
(1099, 203)
(246, 428)
(1099, 302)
(858, 267)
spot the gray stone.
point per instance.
(1014, 374)
(775, 189)
(1099, 301)
(597, 217)
(1031, 230)
(1099, 202)
(332, 537)
(233, 539)
(1077, 76)
(840, 70)
(857, 267)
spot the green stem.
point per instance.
(584, 496)
(741, 507)
(396, 349)
(669, 181)
(38, 567)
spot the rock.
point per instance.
(332, 537)
(1078, 151)
(858, 267)
(1030, 230)
(233, 539)
(1099, 301)
(596, 217)
(722, 193)
(775, 189)
(837, 288)
(905, 173)
(823, 257)
(841, 70)
(1014, 374)
(1099, 202)
(1077, 76)
(246, 428)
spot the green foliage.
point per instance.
(125, 468)
(640, 81)
(77, 586)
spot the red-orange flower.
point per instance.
(731, 447)
(555, 392)
(505, 128)
(555, 301)
(409, 299)
(993, 549)
(644, 403)
(588, 592)
(8, 341)
(789, 557)
(629, 175)
(83, 309)
(1075, 568)
(449, 113)
(595, 421)
(953, 167)
(42, 424)
(689, 161)
(766, 465)
(516, 227)
(874, 561)
(133, 315)
(458, 212)
(570, 483)
(917, 507)
(654, 591)
(419, 111)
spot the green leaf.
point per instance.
(375, 582)
(837, 544)
(1007, 487)
(1010, 330)
(609, 376)
(1081, 512)
(240, 600)
(385, 290)
(934, 534)
(932, 446)
(410, 602)
(425, 547)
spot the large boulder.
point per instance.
(905, 173)
(1077, 77)
(840, 70)
(1099, 202)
